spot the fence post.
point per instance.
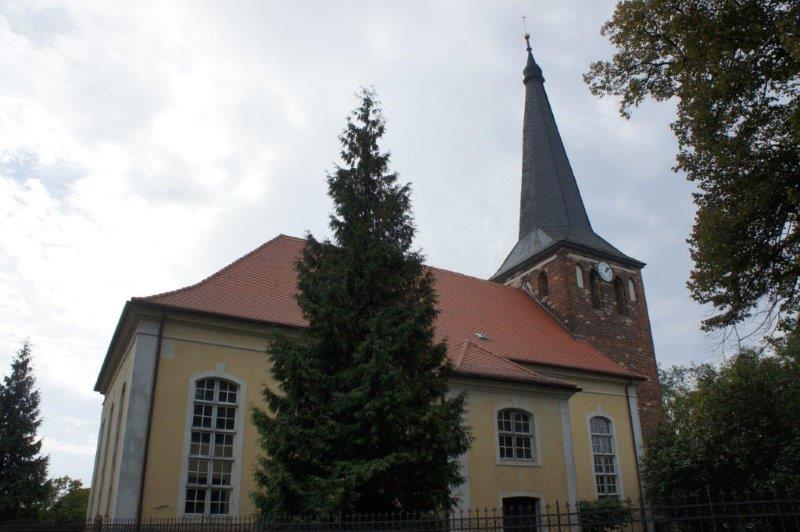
(711, 509)
(558, 516)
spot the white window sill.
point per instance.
(517, 463)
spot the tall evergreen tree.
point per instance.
(23, 470)
(363, 421)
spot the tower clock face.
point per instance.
(605, 271)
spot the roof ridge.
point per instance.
(487, 281)
(467, 342)
(283, 235)
(460, 350)
(218, 272)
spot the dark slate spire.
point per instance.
(551, 208)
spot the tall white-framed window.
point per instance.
(579, 275)
(209, 476)
(515, 435)
(603, 456)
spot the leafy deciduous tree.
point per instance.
(67, 501)
(734, 67)
(729, 427)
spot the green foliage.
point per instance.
(729, 427)
(734, 68)
(603, 514)
(23, 471)
(363, 422)
(67, 501)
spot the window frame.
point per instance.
(536, 451)
(579, 282)
(519, 524)
(238, 438)
(115, 448)
(618, 470)
(544, 284)
(595, 289)
(620, 300)
(100, 491)
(631, 285)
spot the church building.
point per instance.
(554, 353)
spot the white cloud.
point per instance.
(51, 446)
(144, 146)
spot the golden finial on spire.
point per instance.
(527, 33)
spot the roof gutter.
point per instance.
(566, 386)
(114, 338)
(135, 304)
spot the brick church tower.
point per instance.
(593, 288)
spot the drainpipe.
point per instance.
(647, 523)
(633, 439)
(150, 417)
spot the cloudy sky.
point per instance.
(145, 145)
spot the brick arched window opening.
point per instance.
(619, 297)
(631, 290)
(594, 288)
(544, 288)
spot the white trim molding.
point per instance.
(569, 453)
(137, 410)
(540, 502)
(526, 406)
(633, 404)
(238, 440)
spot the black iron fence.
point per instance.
(775, 511)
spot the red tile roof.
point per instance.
(468, 358)
(261, 287)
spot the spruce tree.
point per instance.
(363, 421)
(23, 471)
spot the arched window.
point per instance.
(594, 288)
(115, 449)
(605, 462)
(211, 447)
(544, 289)
(515, 434)
(631, 290)
(95, 492)
(106, 445)
(579, 275)
(619, 297)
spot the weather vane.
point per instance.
(527, 33)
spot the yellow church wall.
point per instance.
(103, 489)
(603, 396)
(489, 479)
(194, 346)
(612, 404)
(189, 349)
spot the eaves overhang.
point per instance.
(536, 257)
